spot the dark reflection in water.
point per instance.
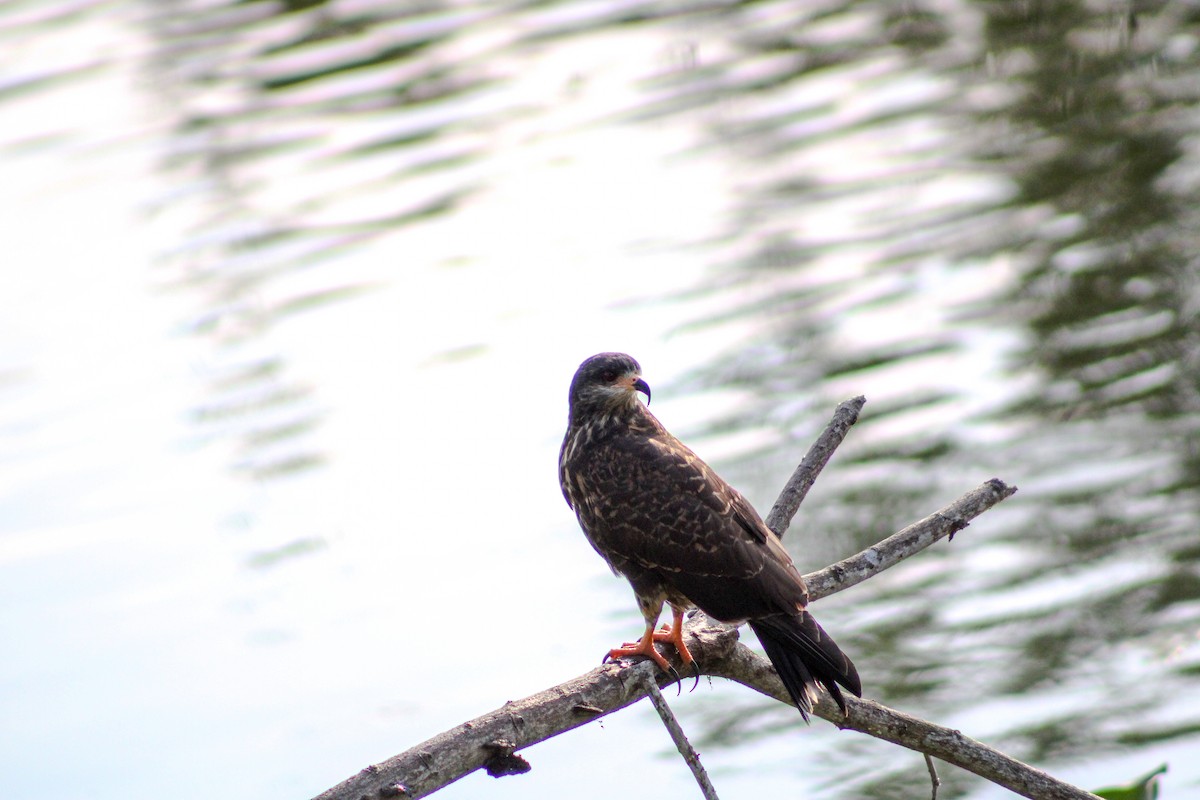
(1088, 118)
(1023, 175)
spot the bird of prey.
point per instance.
(683, 536)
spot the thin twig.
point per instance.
(794, 492)
(934, 780)
(690, 756)
(945, 522)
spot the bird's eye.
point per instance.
(608, 376)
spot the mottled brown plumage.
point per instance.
(682, 536)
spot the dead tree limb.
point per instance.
(873, 719)
(490, 742)
(818, 455)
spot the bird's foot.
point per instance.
(643, 648)
(671, 633)
(663, 634)
(674, 635)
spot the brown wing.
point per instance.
(668, 512)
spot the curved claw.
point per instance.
(696, 673)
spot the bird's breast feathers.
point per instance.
(643, 497)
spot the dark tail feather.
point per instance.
(804, 655)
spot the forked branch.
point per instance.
(489, 742)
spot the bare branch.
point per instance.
(690, 756)
(913, 539)
(516, 725)
(490, 741)
(908, 731)
(794, 492)
(477, 744)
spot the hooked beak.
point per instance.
(642, 387)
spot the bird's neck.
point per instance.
(612, 418)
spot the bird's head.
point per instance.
(606, 383)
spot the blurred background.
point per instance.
(291, 293)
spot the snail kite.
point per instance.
(681, 535)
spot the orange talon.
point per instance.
(644, 647)
(672, 633)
